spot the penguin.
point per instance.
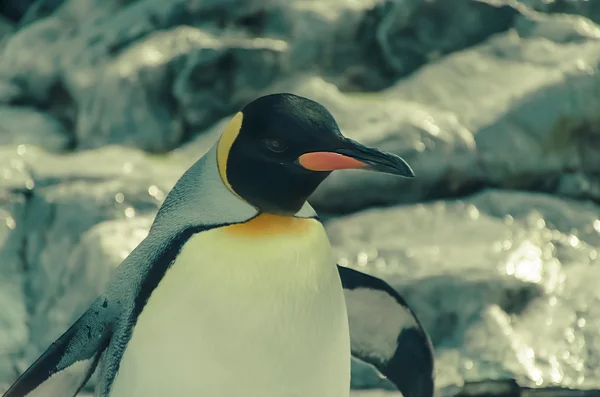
(235, 291)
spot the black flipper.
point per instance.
(64, 368)
(385, 333)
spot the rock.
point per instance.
(39, 9)
(179, 66)
(6, 29)
(85, 51)
(14, 9)
(23, 126)
(9, 91)
(395, 38)
(589, 9)
(504, 282)
(516, 146)
(13, 313)
(171, 82)
(516, 112)
(29, 58)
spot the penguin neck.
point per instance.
(201, 199)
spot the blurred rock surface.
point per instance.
(141, 62)
(587, 8)
(6, 28)
(517, 112)
(21, 125)
(14, 10)
(498, 279)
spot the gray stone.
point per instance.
(504, 282)
(14, 9)
(589, 9)
(394, 38)
(39, 9)
(30, 58)
(528, 96)
(150, 111)
(13, 313)
(98, 57)
(6, 29)
(9, 91)
(23, 126)
(150, 73)
(518, 112)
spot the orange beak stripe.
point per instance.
(327, 161)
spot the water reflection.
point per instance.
(522, 289)
(526, 263)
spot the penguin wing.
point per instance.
(64, 368)
(385, 333)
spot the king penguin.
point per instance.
(235, 292)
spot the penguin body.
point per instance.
(246, 321)
(235, 291)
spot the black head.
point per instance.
(279, 148)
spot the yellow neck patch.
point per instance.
(228, 137)
(269, 224)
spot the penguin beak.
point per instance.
(356, 156)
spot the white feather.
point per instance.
(243, 316)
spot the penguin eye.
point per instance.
(275, 145)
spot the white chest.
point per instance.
(239, 315)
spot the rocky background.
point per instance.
(495, 104)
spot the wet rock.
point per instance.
(137, 75)
(395, 38)
(504, 282)
(9, 91)
(39, 9)
(528, 130)
(159, 89)
(13, 313)
(6, 29)
(181, 65)
(20, 125)
(14, 9)
(516, 112)
(589, 9)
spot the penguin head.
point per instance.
(276, 151)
